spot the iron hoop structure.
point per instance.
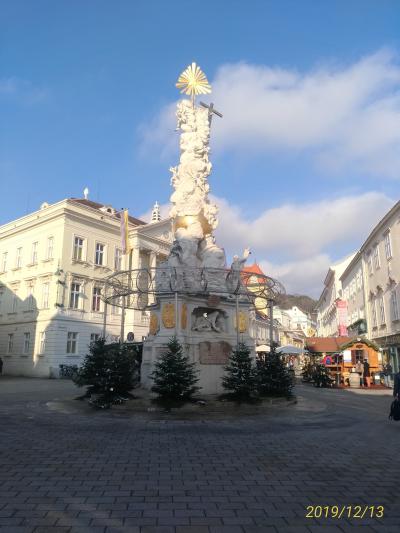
(138, 288)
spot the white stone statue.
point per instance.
(194, 215)
(234, 278)
(211, 255)
(238, 262)
(211, 321)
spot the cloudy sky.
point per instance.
(307, 155)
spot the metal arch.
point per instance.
(134, 286)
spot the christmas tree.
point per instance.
(321, 376)
(109, 371)
(274, 378)
(308, 371)
(240, 378)
(174, 376)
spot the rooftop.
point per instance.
(102, 207)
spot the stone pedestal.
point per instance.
(206, 327)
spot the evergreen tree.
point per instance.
(308, 371)
(109, 371)
(321, 376)
(174, 376)
(274, 378)
(240, 378)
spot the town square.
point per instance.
(199, 267)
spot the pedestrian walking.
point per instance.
(387, 374)
(367, 374)
(360, 371)
(1, 366)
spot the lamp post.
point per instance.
(271, 325)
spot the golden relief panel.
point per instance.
(153, 328)
(243, 322)
(168, 315)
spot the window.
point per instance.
(377, 261)
(34, 253)
(118, 259)
(42, 342)
(27, 342)
(4, 262)
(75, 293)
(18, 258)
(50, 248)
(94, 337)
(45, 295)
(10, 343)
(96, 301)
(78, 248)
(72, 341)
(30, 296)
(369, 263)
(382, 310)
(373, 309)
(388, 245)
(395, 305)
(99, 257)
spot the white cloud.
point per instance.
(298, 231)
(294, 242)
(22, 90)
(300, 277)
(343, 115)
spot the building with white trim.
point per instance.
(331, 308)
(53, 263)
(371, 284)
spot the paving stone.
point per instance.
(255, 474)
(191, 529)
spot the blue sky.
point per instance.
(310, 96)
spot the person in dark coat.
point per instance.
(1, 366)
(396, 386)
(387, 374)
(367, 374)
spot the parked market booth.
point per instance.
(340, 356)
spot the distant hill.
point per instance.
(303, 302)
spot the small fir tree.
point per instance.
(109, 371)
(274, 378)
(308, 371)
(321, 376)
(174, 376)
(240, 379)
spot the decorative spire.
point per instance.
(193, 81)
(155, 214)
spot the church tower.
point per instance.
(155, 214)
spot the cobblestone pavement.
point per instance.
(104, 472)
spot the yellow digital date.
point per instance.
(345, 511)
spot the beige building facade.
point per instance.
(53, 264)
(330, 316)
(374, 301)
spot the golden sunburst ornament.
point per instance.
(193, 81)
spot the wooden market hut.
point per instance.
(340, 354)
